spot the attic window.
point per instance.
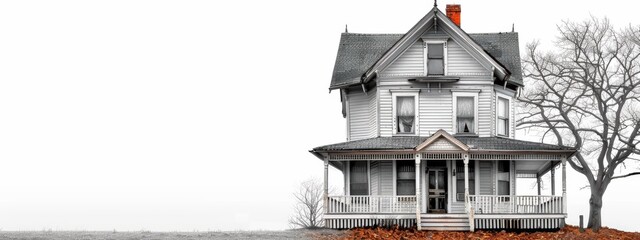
(435, 59)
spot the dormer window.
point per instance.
(435, 57)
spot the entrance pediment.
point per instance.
(442, 141)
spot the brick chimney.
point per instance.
(453, 12)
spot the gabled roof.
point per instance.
(361, 55)
(442, 134)
(412, 142)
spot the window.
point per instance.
(460, 179)
(358, 180)
(405, 114)
(503, 116)
(465, 114)
(435, 56)
(435, 59)
(405, 178)
(503, 178)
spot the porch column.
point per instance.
(325, 194)
(553, 181)
(538, 181)
(418, 191)
(564, 184)
(466, 182)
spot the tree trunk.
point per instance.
(595, 210)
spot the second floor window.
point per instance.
(405, 114)
(465, 115)
(435, 59)
(503, 117)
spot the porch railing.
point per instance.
(371, 204)
(489, 204)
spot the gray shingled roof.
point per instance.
(504, 47)
(474, 143)
(358, 52)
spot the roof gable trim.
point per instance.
(416, 32)
(442, 134)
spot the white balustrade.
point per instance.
(371, 204)
(505, 204)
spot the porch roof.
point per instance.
(411, 142)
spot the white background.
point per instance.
(198, 115)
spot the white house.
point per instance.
(430, 133)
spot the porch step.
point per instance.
(444, 222)
(447, 223)
(445, 215)
(451, 229)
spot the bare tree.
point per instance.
(585, 94)
(308, 209)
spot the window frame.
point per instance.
(476, 179)
(509, 114)
(510, 173)
(396, 177)
(455, 96)
(348, 178)
(425, 43)
(416, 98)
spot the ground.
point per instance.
(140, 235)
(569, 232)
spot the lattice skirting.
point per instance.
(363, 222)
(533, 223)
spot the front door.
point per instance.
(437, 192)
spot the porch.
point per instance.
(442, 184)
(485, 212)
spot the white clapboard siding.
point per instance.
(512, 118)
(480, 81)
(457, 207)
(460, 62)
(494, 113)
(386, 178)
(373, 113)
(386, 114)
(435, 112)
(512, 177)
(485, 115)
(362, 115)
(375, 177)
(411, 62)
(486, 179)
